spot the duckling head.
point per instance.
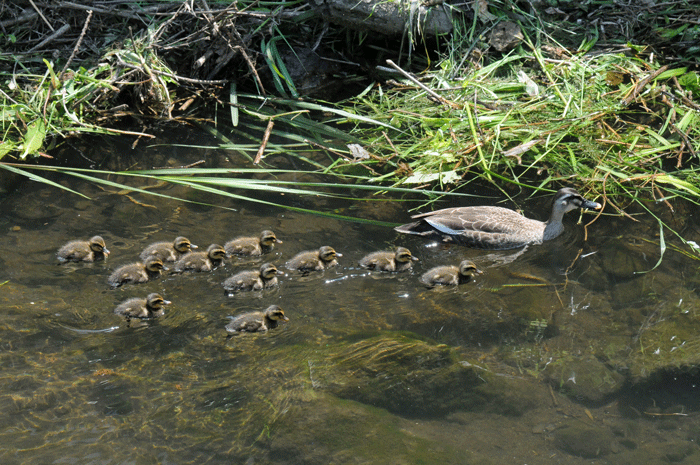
(97, 245)
(275, 313)
(268, 238)
(154, 265)
(328, 254)
(216, 252)
(269, 271)
(468, 269)
(183, 245)
(156, 302)
(403, 255)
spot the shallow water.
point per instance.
(537, 361)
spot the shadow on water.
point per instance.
(562, 353)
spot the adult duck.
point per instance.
(490, 227)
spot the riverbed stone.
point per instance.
(584, 441)
(330, 430)
(584, 379)
(624, 260)
(411, 377)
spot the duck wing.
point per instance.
(482, 227)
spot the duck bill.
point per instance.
(590, 205)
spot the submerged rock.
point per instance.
(584, 441)
(412, 377)
(584, 379)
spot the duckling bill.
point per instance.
(150, 307)
(257, 322)
(388, 261)
(83, 251)
(490, 227)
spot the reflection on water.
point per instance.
(547, 358)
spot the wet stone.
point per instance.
(505, 36)
(622, 261)
(584, 379)
(414, 378)
(583, 441)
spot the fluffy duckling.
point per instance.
(314, 260)
(83, 251)
(150, 307)
(257, 322)
(450, 275)
(201, 261)
(252, 246)
(168, 251)
(137, 272)
(253, 280)
(389, 261)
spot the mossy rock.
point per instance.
(669, 344)
(584, 441)
(680, 452)
(584, 379)
(329, 430)
(622, 261)
(408, 376)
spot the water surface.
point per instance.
(544, 359)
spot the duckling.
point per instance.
(389, 261)
(83, 251)
(201, 261)
(496, 227)
(168, 251)
(257, 322)
(450, 275)
(137, 272)
(252, 246)
(314, 260)
(150, 307)
(253, 280)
